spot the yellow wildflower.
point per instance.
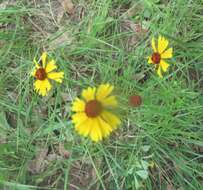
(43, 73)
(93, 117)
(160, 54)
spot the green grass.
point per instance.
(165, 131)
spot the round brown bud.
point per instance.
(135, 100)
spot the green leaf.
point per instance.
(136, 183)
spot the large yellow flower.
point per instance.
(160, 53)
(93, 117)
(44, 71)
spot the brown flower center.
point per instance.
(156, 57)
(41, 74)
(93, 108)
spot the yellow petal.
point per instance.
(44, 57)
(79, 118)
(51, 66)
(159, 72)
(89, 94)
(109, 101)
(42, 87)
(103, 91)
(57, 76)
(87, 127)
(80, 128)
(95, 133)
(94, 136)
(84, 128)
(164, 65)
(78, 105)
(105, 127)
(34, 72)
(153, 45)
(162, 44)
(150, 60)
(36, 63)
(37, 85)
(111, 119)
(167, 54)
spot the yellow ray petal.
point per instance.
(111, 119)
(95, 133)
(162, 44)
(79, 118)
(84, 128)
(42, 87)
(105, 127)
(153, 45)
(89, 94)
(44, 57)
(33, 72)
(150, 60)
(167, 54)
(159, 72)
(80, 128)
(88, 127)
(103, 91)
(164, 65)
(57, 76)
(36, 63)
(78, 105)
(109, 101)
(37, 85)
(51, 66)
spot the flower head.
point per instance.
(43, 73)
(160, 54)
(93, 117)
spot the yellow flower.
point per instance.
(160, 53)
(93, 117)
(43, 72)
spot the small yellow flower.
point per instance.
(160, 53)
(93, 117)
(44, 71)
